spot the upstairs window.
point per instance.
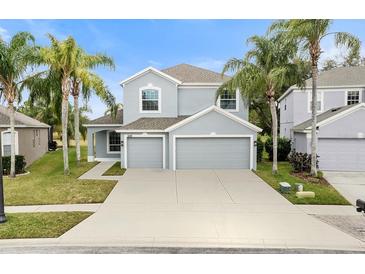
(114, 142)
(150, 99)
(353, 97)
(228, 100)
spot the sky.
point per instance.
(137, 44)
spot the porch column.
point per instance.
(90, 145)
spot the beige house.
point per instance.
(31, 136)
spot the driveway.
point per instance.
(350, 184)
(202, 208)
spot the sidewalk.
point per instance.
(97, 171)
(329, 210)
(52, 208)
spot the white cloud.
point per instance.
(210, 63)
(4, 34)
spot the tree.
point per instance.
(85, 82)
(329, 64)
(308, 34)
(264, 71)
(16, 59)
(61, 59)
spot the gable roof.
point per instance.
(21, 120)
(191, 74)
(336, 77)
(107, 120)
(327, 116)
(216, 109)
(150, 69)
(151, 124)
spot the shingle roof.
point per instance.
(192, 74)
(342, 76)
(108, 119)
(20, 119)
(321, 117)
(160, 123)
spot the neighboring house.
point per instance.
(172, 119)
(31, 136)
(341, 116)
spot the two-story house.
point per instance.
(172, 119)
(340, 120)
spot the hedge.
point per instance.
(260, 148)
(284, 148)
(19, 164)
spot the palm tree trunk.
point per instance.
(274, 126)
(314, 120)
(65, 93)
(12, 140)
(77, 128)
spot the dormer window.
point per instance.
(150, 99)
(228, 100)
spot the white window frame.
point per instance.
(126, 136)
(346, 95)
(150, 86)
(212, 135)
(237, 102)
(107, 143)
(321, 96)
(16, 141)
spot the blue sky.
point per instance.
(136, 44)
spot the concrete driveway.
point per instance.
(202, 208)
(350, 184)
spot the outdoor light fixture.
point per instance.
(255, 143)
(2, 212)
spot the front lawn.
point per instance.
(40, 224)
(325, 193)
(115, 170)
(46, 183)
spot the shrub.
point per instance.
(19, 164)
(260, 149)
(300, 162)
(284, 148)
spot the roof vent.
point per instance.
(335, 109)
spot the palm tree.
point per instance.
(61, 58)
(308, 34)
(85, 82)
(16, 58)
(265, 70)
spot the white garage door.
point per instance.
(341, 154)
(144, 152)
(202, 153)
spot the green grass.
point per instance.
(46, 183)
(325, 193)
(115, 170)
(40, 225)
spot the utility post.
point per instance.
(2, 211)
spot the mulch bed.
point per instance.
(308, 178)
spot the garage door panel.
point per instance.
(341, 154)
(218, 153)
(145, 152)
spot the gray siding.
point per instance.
(297, 106)
(301, 143)
(195, 153)
(347, 127)
(212, 122)
(286, 116)
(192, 100)
(101, 146)
(144, 152)
(131, 97)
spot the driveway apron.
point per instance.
(202, 208)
